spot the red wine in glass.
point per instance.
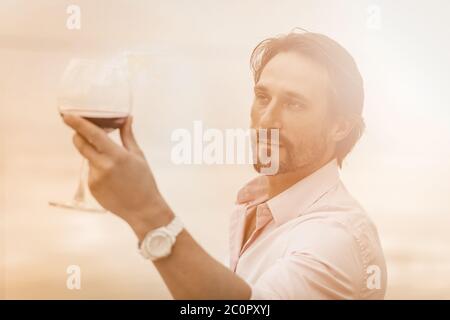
(107, 120)
(100, 92)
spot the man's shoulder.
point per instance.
(338, 206)
(338, 221)
(337, 231)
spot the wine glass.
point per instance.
(98, 91)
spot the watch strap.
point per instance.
(175, 226)
(172, 229)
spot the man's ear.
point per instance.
(341, 128)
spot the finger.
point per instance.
(90, 132)
(88, 151)
(127, 136)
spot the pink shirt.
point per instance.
(312, 241)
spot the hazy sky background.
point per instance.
(197, 56)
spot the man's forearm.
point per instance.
(189, 271)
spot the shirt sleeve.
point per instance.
(323, 261)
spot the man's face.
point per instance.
(292, 95)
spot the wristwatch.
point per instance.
(158, 243)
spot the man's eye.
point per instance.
(296, 105)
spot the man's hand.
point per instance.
(122, 182)
(119, 176)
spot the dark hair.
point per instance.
(347, 91)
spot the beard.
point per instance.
(292, 155)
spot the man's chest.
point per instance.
(268, 247)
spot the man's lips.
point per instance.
(270, 143)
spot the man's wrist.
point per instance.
(156, 216)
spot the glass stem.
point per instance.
(81, 192)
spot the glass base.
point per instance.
(76, 205)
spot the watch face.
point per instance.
(159, 244)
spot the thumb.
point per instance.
(127, 137)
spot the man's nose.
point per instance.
(271, 116)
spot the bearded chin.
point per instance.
(284, 166)
(292, 160)
(260, 167)
(295, 157)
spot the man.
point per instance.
(297, 234)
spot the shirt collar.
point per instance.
(293, 201)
